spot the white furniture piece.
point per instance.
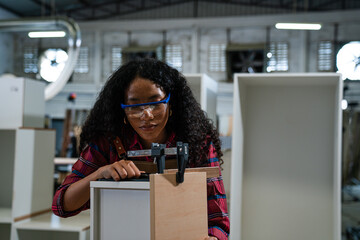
(27, 168)
(49, 226)
(27, 185)
(285, 175)
(22, 103)
(205, 91)
(156, 209)
(26, 173)
(109, 211)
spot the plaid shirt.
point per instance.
(101, 152)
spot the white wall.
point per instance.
(195, 35)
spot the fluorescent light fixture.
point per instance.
(298, 26)
(47, 34)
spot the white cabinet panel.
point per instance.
(21, 103)
(285, 179)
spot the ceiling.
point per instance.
(107, 9)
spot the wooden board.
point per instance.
(210, 171)
(150, 167)
(178, 211)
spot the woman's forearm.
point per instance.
(78, 193)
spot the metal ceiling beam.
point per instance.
(117, 9)
(195, 8)
(160, 1)
(143, 9)
(87, 10)
(87, 7)
(95, 5)
(254, 2)
(128, 3)
(11, 10)
(41, 4)
(319, 6)
(90, 5)
(272, 4)
(85, 3)
(132, 5)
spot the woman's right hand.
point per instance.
(119, 170)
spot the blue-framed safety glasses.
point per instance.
(136, 110)
(123, 106)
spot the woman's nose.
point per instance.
(147, 114)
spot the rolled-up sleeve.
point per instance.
(218, 218)
(91, 158)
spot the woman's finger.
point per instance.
(136, 170)
(128, 167)
(114, 174)
(121, 171)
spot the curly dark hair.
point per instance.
(188, 121)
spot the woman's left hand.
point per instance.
(211, 238)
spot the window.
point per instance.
(31, 60)
(174, 56)
(278, 57)
(82, 65)
(116, 58)
(217, 57)
(325, 56)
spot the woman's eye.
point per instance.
(134, 109)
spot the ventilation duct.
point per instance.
(50, 24)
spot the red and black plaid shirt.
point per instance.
(101, 152)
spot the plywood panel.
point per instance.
(178, 211)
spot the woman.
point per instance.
(144, 101)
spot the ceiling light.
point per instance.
(298, 26)
(48, 34)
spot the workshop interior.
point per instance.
(279, 79)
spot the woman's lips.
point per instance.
(147, 127)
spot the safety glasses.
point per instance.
(137, 110)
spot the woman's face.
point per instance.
(148, 121)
